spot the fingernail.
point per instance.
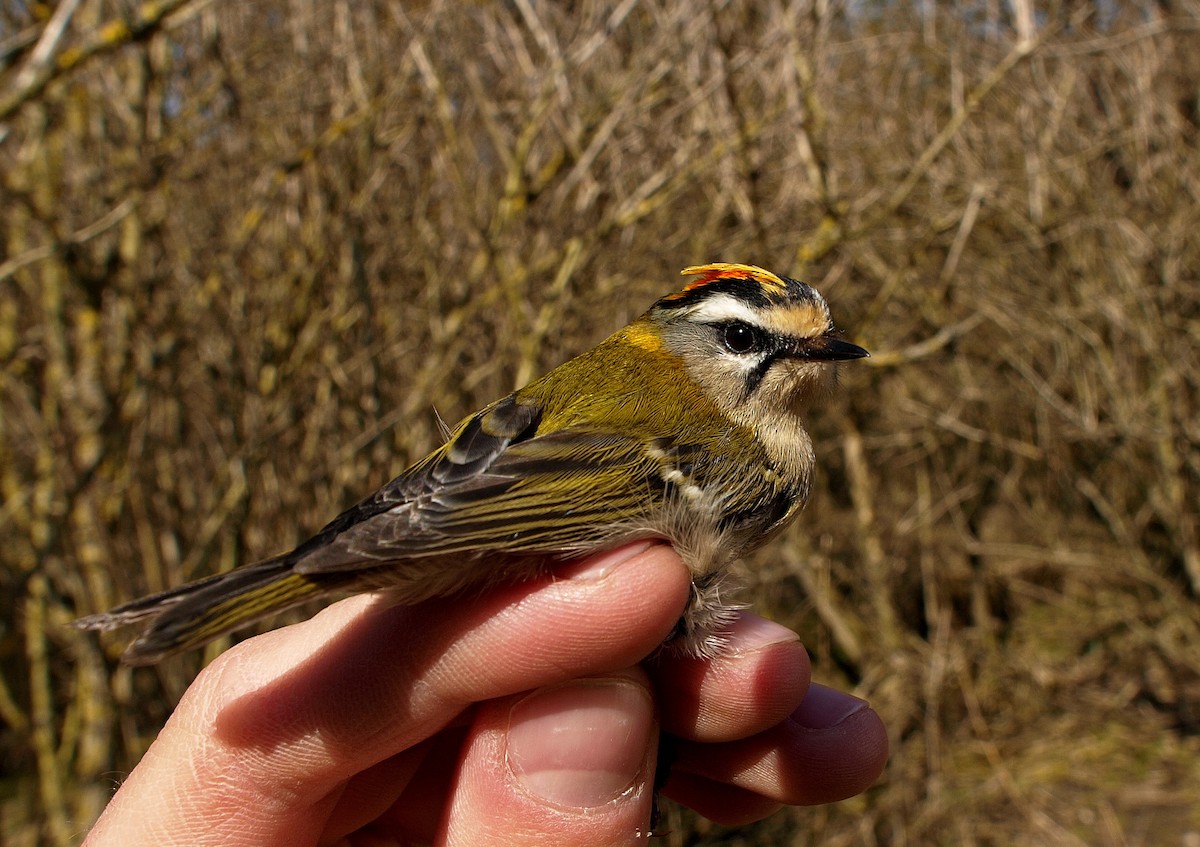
(750, 633)
(825, 708)
(600, 565)
(580, 745)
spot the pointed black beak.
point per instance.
(828, 348)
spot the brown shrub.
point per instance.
(250, 248)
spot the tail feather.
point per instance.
(195, 614)
(148, 607)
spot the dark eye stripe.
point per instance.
(741, 338)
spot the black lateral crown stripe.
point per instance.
(745, 290)
(740, 288)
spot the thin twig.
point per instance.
(35, 76)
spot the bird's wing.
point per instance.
(498, 486)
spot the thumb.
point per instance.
(571, 764)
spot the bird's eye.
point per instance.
(741, 338)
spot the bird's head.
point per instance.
(760, 345)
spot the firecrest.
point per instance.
(686, 425)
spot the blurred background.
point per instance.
(252, 250)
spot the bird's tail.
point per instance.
(194, 614)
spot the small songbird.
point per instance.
(686, 425)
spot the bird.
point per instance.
(686, 425)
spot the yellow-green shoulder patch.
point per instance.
(642, 336)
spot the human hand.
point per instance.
(518, 716)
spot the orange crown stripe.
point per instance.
(727, 270)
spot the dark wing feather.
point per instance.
(495, 486)
(479, 441)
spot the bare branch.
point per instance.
(44, 68)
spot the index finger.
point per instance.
(260, 744)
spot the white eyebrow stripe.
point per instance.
(723, 307)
